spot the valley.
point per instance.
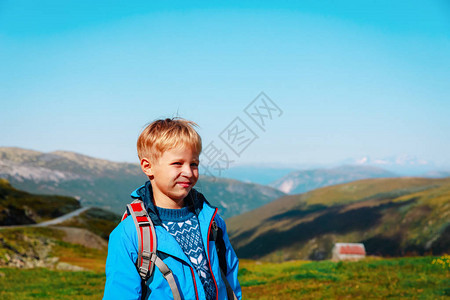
(283, 241)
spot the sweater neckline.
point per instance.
(175, 215)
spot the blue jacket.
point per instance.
(122, 278)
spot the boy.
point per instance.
(169, 153)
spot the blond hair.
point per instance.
(162, 135)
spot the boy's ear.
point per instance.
(146, 167)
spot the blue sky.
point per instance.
(353, 78)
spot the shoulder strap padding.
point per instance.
(146, 238)
(147, 258)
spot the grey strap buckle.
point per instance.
(150, 256)
(168, 272)
(143, 270)
(146, 254)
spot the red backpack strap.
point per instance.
(146, 238)
(147, 257)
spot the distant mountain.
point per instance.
(94, 182)
(259, 174)
(437, 174)
(404, 165)
(234, 197)
(391, 216)
(98, 182)
(306, 180)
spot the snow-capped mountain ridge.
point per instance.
(403, 160)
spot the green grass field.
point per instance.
(372, 278)
(415, 277)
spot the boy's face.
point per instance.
(172, 176)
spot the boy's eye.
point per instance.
(194, 164)
(176, 163)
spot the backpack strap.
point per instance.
(217, 236)
(230, 293)
(147, 257)
(146, 239)
(168, 275)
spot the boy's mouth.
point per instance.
(184, 184)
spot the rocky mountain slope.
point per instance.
(106, 184)
(303, 181)
(76, 244)
(391, 216)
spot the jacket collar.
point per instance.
(194, 200)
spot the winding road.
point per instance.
(52, 222)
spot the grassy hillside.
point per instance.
(48, 284)
(53, 248)
(18, 207)
(67, 262)
(416, 278)
(392, 216)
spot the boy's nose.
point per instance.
(187, 171)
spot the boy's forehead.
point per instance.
(181, 151)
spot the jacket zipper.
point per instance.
(209, 254)
(193, 280)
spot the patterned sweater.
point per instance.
(183, 225)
